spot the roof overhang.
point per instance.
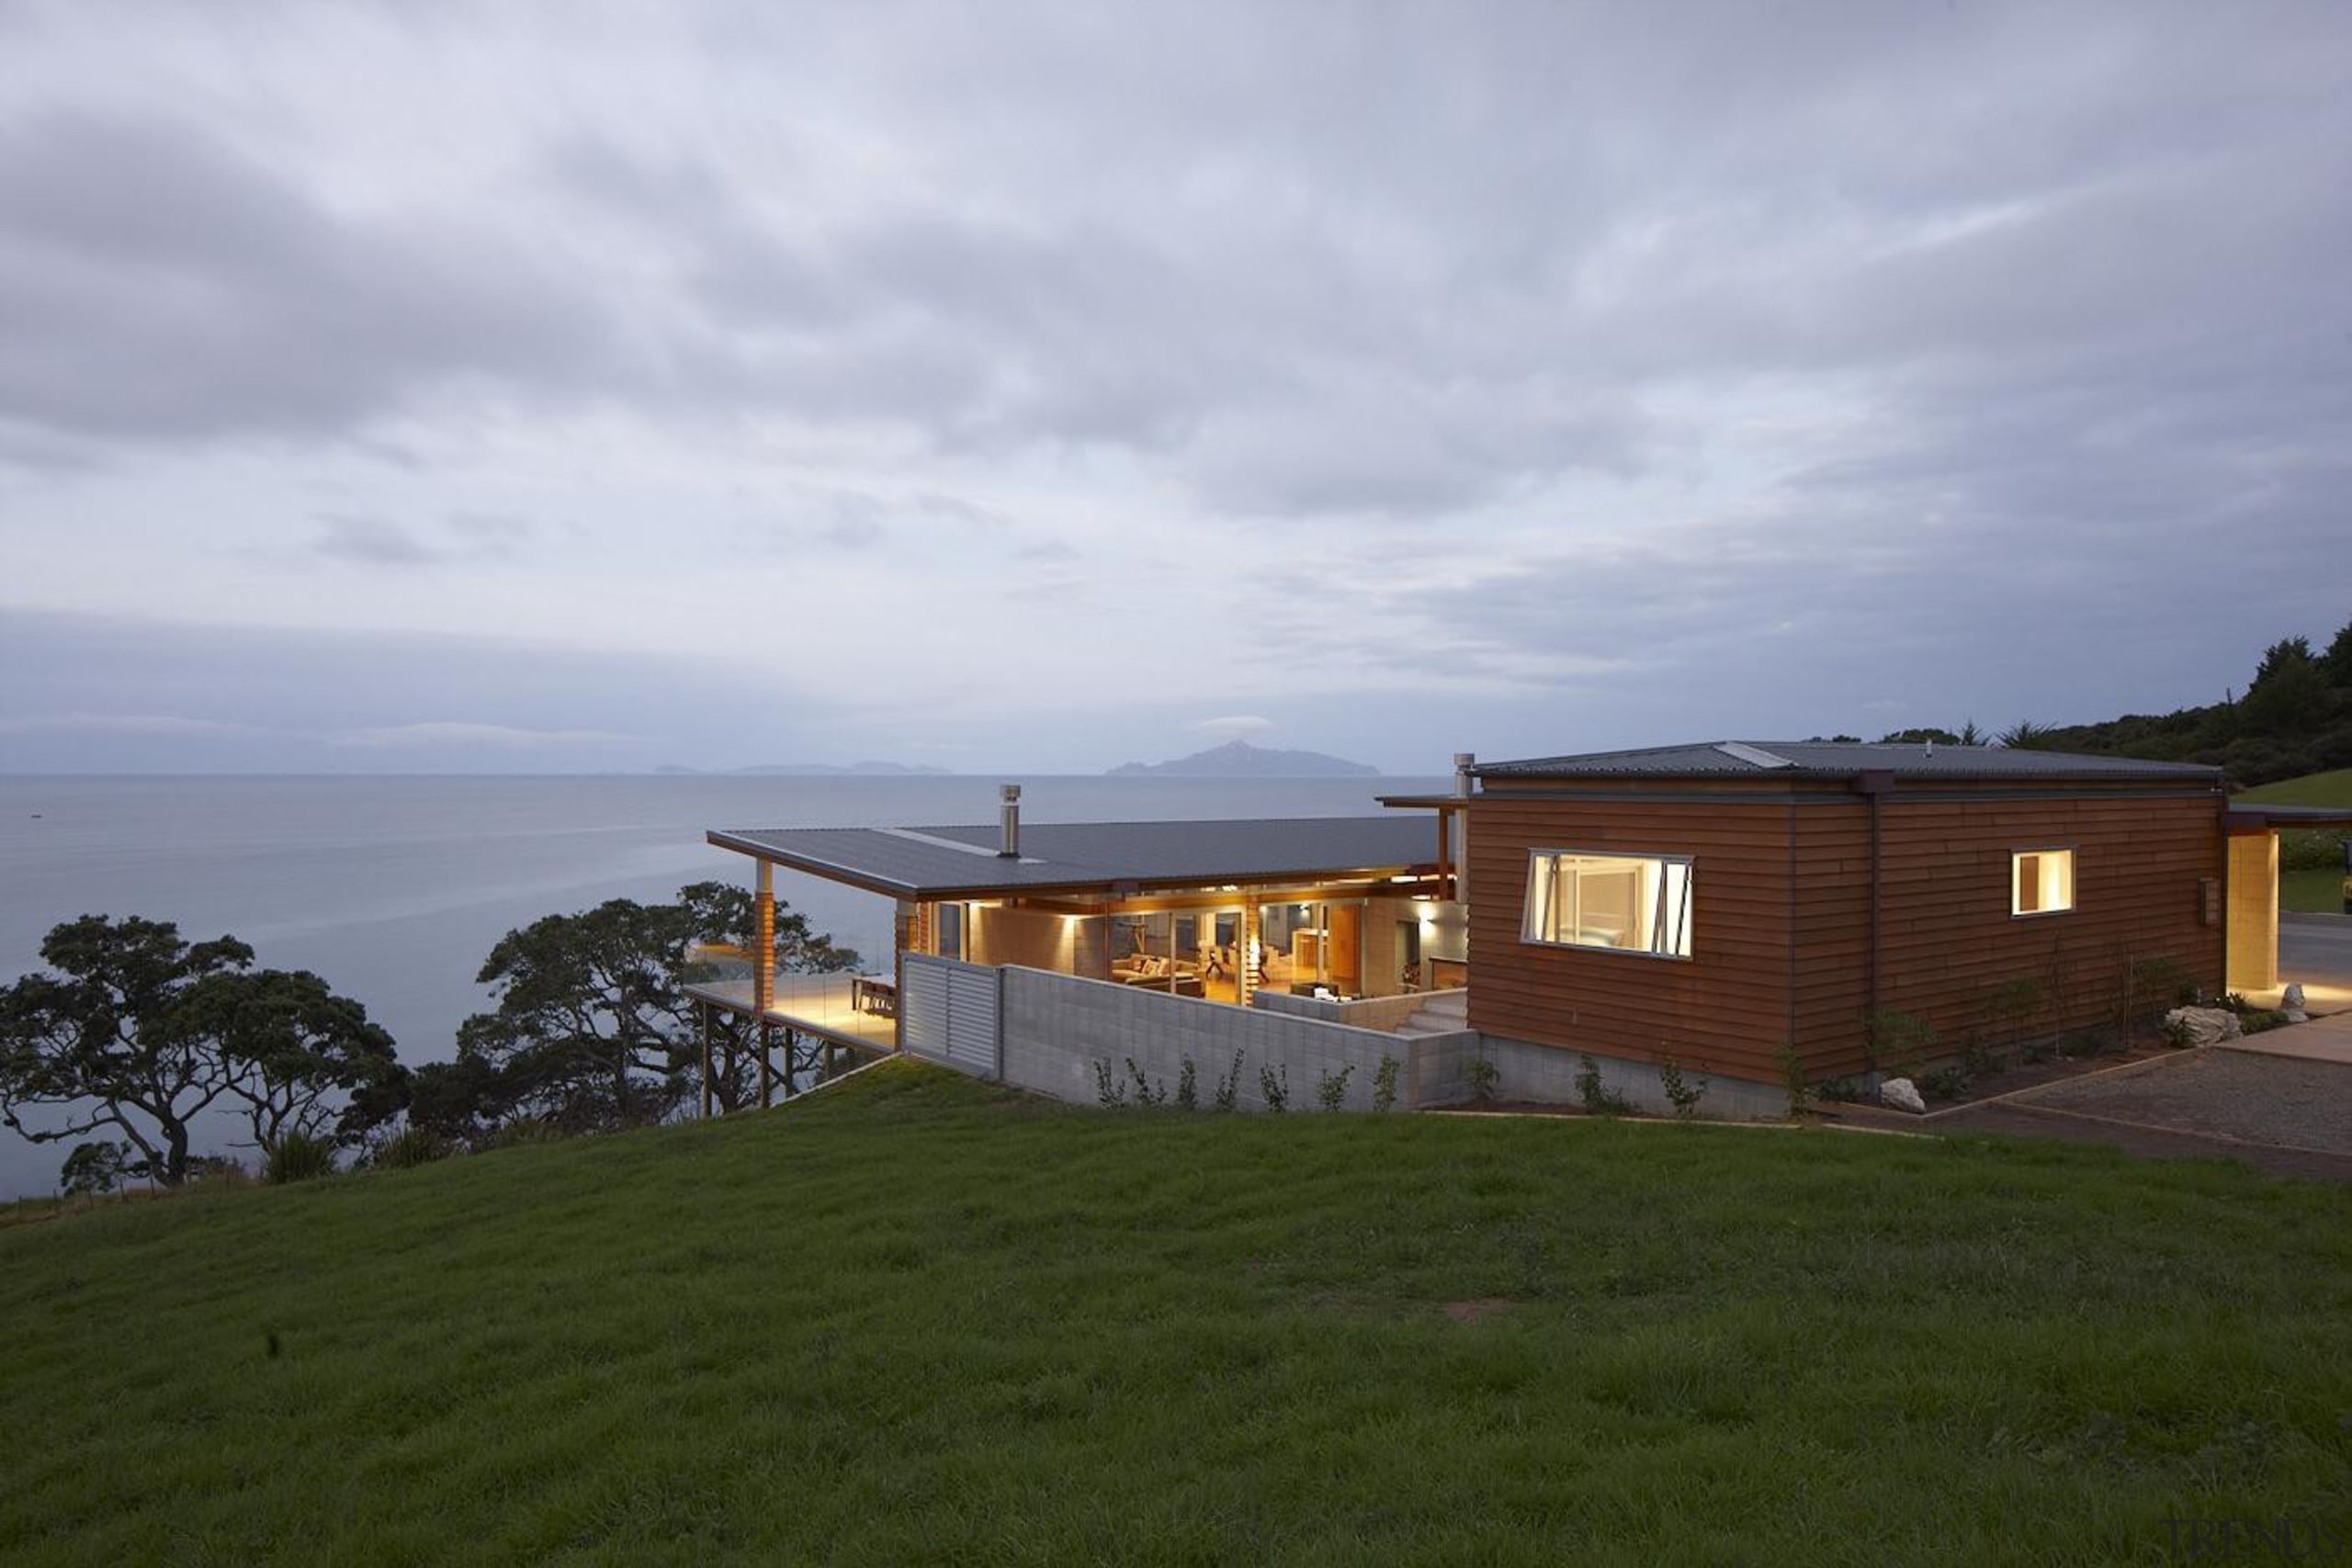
(1109, 860)
(2253, 817)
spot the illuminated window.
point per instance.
(2041, 882)
(1627, 903)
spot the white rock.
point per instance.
(2291, 1003)
(2202, 1026)
(1903, 1095)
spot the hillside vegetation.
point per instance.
(914, 1318)
(2294, 719)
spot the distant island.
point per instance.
(1239, 760)
(806, 770)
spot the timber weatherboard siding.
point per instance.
(1781, 912)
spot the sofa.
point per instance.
(1138, 969)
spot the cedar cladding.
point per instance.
(1780, 915)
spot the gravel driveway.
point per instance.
(2283, 1114)
(2230, 1094)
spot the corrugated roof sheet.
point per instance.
(1842, 760)
(962, 859)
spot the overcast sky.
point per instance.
(499, 386)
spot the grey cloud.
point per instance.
(372, 540)
(156, 282)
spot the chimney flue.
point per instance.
(1010, 816)
(1462, 762)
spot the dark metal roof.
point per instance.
(928, 862)
(1764, 760)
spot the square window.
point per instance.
(2041, 882)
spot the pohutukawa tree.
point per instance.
(593, 1029)
(139, 1033)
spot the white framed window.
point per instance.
(1623, 903)
(2041, 882)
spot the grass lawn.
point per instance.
(2311, 892)
(2311, 789)
(2317, 892)
(916, 1318)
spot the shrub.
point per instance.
(298, 1157)
(1146, 1092)
(95, 1168)
(1228, 1086)
(1596, 1097)
(1792, 1067)
(408, 1148)
(1681, 1092)
(1945, 1083)
(1837, 1091)
(1112, 1093)
(1274, 1090)
(1188, 1086)
(1900, 1039)
(1331, 1092)
(1483, 1077)
(1383, 1085)
(515, 1135)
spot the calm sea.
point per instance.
(395, 889)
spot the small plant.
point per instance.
(1188, 1086)
(1146, 1092)
(2035, 1052)
(2179, 1034)
(1483, 1077)
(1837, 1091)
(298, 1157)
(1792, 1067)
(1596, 1097)
(1276, 1091)
(1900, 1038)
(2083, 1044)
(2255, 1020)
(1383, 1085)
(1681, 1092)
(404, 1150)
(1108, 1089)
(1229, 1085)
(1331, 1092)
(1945, 1083)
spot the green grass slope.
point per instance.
(2312, 789)
(2310, 878)
(918, 1319)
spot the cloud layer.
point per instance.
(1050, 387)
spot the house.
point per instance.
(1733, 906)
(1726, 904)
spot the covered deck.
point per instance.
(1217, 911)
(856, 1011)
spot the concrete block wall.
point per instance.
(1546, 1075)
(1056, 1027)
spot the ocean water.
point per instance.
(395, 889)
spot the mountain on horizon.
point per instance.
(1239, 760)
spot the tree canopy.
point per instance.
(140, 1033)
(591, 1028)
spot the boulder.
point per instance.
(1901, 1094)
(2291, 1004)
(2202, 1026)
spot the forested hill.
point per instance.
(2294, 717)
